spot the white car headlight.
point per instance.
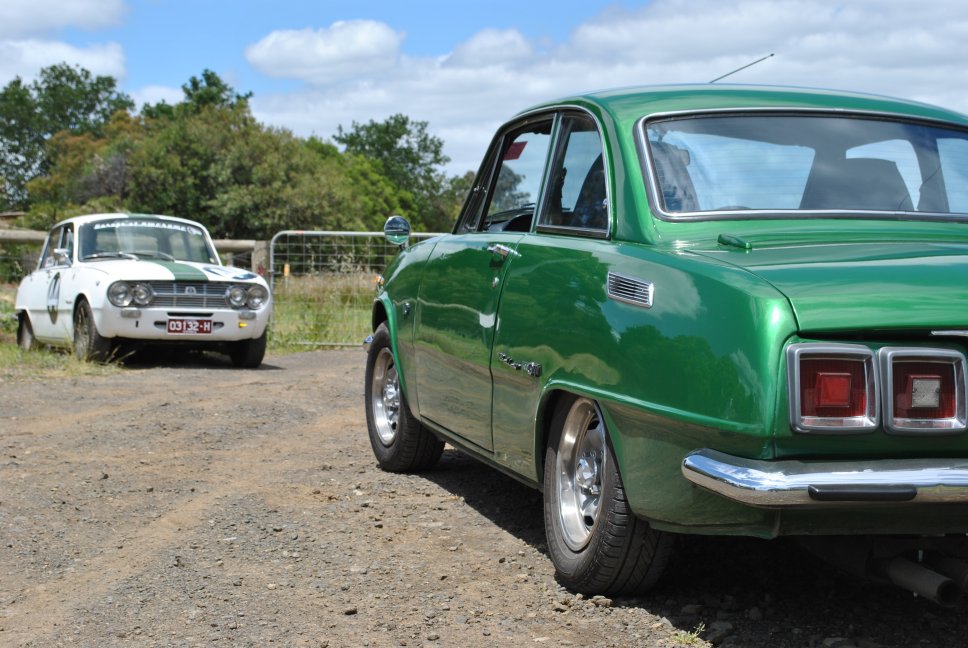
(236, 296)
(142, 294)
(120, 294)
(257, 296)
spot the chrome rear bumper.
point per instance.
(794, 483)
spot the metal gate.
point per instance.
(323, 284)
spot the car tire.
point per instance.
(89, 345)
(25, 333)
(248, 354)
(598, 546)
(399, 441)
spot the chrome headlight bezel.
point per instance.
(120, 294)
(142, 294)
(256, 297)
(236, 296)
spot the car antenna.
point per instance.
(719, 78)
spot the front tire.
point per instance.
(400, 443)
(248, 354)
(25, 333)
(89, 345)
(598, 546)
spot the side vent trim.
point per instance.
(630, 290)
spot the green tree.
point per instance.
(86, 168)
(411, 158)
(63, 98)
(209, 91)
(21, 143)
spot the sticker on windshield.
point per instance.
(178, 227)
(515, 150)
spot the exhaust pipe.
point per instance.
(920, 580)
(953, 568)
(940, 579)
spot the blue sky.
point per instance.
(467, 67)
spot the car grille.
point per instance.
(186, 294)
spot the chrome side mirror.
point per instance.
(62, 256)
(397, 230)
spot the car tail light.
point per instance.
(924, 390)
(833, 388)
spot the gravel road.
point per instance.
(186, 503)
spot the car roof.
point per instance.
(89, 218)
(626, 104)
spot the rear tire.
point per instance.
(89, 345)
(400, 443)
(598, 546)
(248, 354)
(25, 333)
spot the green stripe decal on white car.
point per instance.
(182, 271)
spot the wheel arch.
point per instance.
(379, 315)
(550, 401)
(79, 299)
(384, 313)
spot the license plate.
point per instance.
(189, 326)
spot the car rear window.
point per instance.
(744, 164)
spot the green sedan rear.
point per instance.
(700, 309)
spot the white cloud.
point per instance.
(491, 47)
(26, 46)
(888, 47)
(155, 94)
(19, 18)
(25, 58)
(345, 49)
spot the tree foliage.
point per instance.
(62, 98)
(410, 157)
(72, 144)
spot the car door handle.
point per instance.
(501, 250)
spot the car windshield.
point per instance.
(807, 162)
(144, 238)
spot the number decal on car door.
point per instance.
(53, 295)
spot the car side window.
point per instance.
(577, 190)
(514, 186)
(59, 237)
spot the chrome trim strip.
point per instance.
(952, 333)
(923, 427)
(787, 483)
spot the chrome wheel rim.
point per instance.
(385, 397)
(579, 470)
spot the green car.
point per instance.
(706, 310)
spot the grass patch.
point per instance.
(320, 310)
(16, 365)
(694, 638)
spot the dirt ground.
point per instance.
(187, 503)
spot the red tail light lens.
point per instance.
(833, 388)
(926, 389)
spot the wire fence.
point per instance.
(17, 260)
(324, 284)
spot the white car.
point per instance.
(107, 279)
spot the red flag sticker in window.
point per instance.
(515, 150)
